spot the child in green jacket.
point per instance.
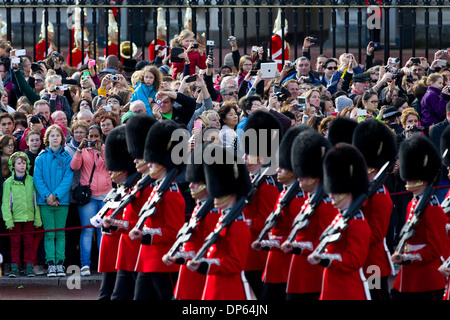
(20, 212)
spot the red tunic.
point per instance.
(225, 280)
(190, 284)
(195, 60)
(151, 48)
(77, 61)
(429, 243)
(377, 211)
(278, 51)
(41, 52)
(113, 49)
(168, 219)
(278, 262)
(304, 277)
(344, 280)
(109, 246)
(255, 215)
(129, 249)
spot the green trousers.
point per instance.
(54, 241)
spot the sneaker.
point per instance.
(51, 271)
(14, 273)
(60, 270)
(85, 271)
(29, 270)
(38, 270)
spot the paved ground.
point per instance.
(43, 288)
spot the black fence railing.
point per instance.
(348, 24)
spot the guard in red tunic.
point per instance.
(277, 264)
(378, 146)
(346, 181)
(278, 49)
(304, 279)
(161, 35)
(155, 279)
(266, 128)
(190, 284)
(227, 181)
(43, 51)
(123, 173)
(419, 278)
(113, 32)
(445, 151)
(137, 128)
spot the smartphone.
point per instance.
(253, 72)
(195, 45)
(20, 52)
(62, 88)
(374, 45)
(174, 53)
(107, 108)
(86, 74)
(191, 78)
(361, 112)
(90, 144)
(210, 43)
(92, 62)
(313, 40)
(415, 60)
(15, 60)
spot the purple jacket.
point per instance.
(433, 106)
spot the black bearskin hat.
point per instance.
(137, 128)
(341, 130)
(117, 157)
(286, 145)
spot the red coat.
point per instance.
(430, 244)
(278, 51)
(77, 61)
(255, 215)
(42, 52)
(190, 284)
(344, 280)
(304, 277)
(195, 60)
(151, 48)
(168, 219)
(113, 48)
(377, 211)
(109, 246)
(225, 280)
(278, 262)
(129, 249)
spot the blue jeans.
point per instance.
(86, 212)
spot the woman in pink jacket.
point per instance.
(90, 153)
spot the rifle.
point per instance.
(185, 233)
(271, 220)
(150, 207)
(233, 213)
(144, 182)
(446, 205)
(302, 219)
(334, 232)
(408, 231)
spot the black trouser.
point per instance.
(273, 291)
(254, 280)
(125, 284)
(107, 286)
(155, 285)
(426, 295)
(381, 294)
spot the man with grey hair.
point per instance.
(85, 115)
(138, 107)
(302, 71)
(229, 88)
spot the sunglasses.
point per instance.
(332, 68)
(231, 93)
